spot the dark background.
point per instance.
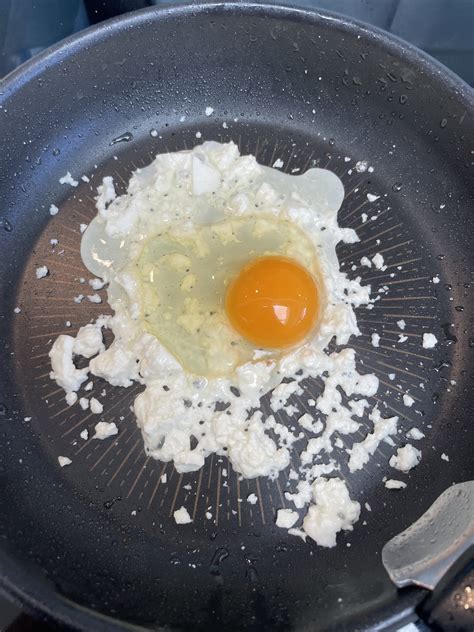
(443, 28)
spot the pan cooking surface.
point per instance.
(108, 517)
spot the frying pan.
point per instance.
(94, 545)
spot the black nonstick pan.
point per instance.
(94, 545)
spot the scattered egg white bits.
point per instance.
(53, 209)
(41, 272)
(429, 341)
(332, 511)
(372, 198)
(68, 179)
(361, 166)
(64, 460)
(286, 518)
(392, 483)
(96, 407)
(84, 403)
(181, 516)
(105, 429)
(405, 458)
(278, 164)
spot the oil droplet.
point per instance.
(124, 138)
(397, 187)
(443, 123)
(56, 151)
(403, 99)
(459, 308)
(3, 409)
(6, 225)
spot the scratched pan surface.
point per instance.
(312, 90)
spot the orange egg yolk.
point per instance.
(273, 303)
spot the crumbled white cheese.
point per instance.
(278, 164)
(408, 400)
(361, 452)
(361, 166)
(371, 197)
(96, 284)
(84, 434)
(64, 460)
(96, 406)
(84, 403)
(94, 298)
(53, 209)
(392, 483)
(105, 429)
(429, 341)
(378, 261)
(402, 338)
(444, 457)
(415, 434)
(406, 458)
(88, 341)
(401, 324)
(68, 179)
(63, 368)
(252, 499)
(17, 310)
(181, 516)
(286, 518)
(365, 261)
(164, 478)
(71, 398)
(435, 280)
(209, 111)
(41, 272)
(375, 339)
(332, 512)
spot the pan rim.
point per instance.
(15, 581)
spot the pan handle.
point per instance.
(450, 607)
(437, 552)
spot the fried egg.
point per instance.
(219, 273)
